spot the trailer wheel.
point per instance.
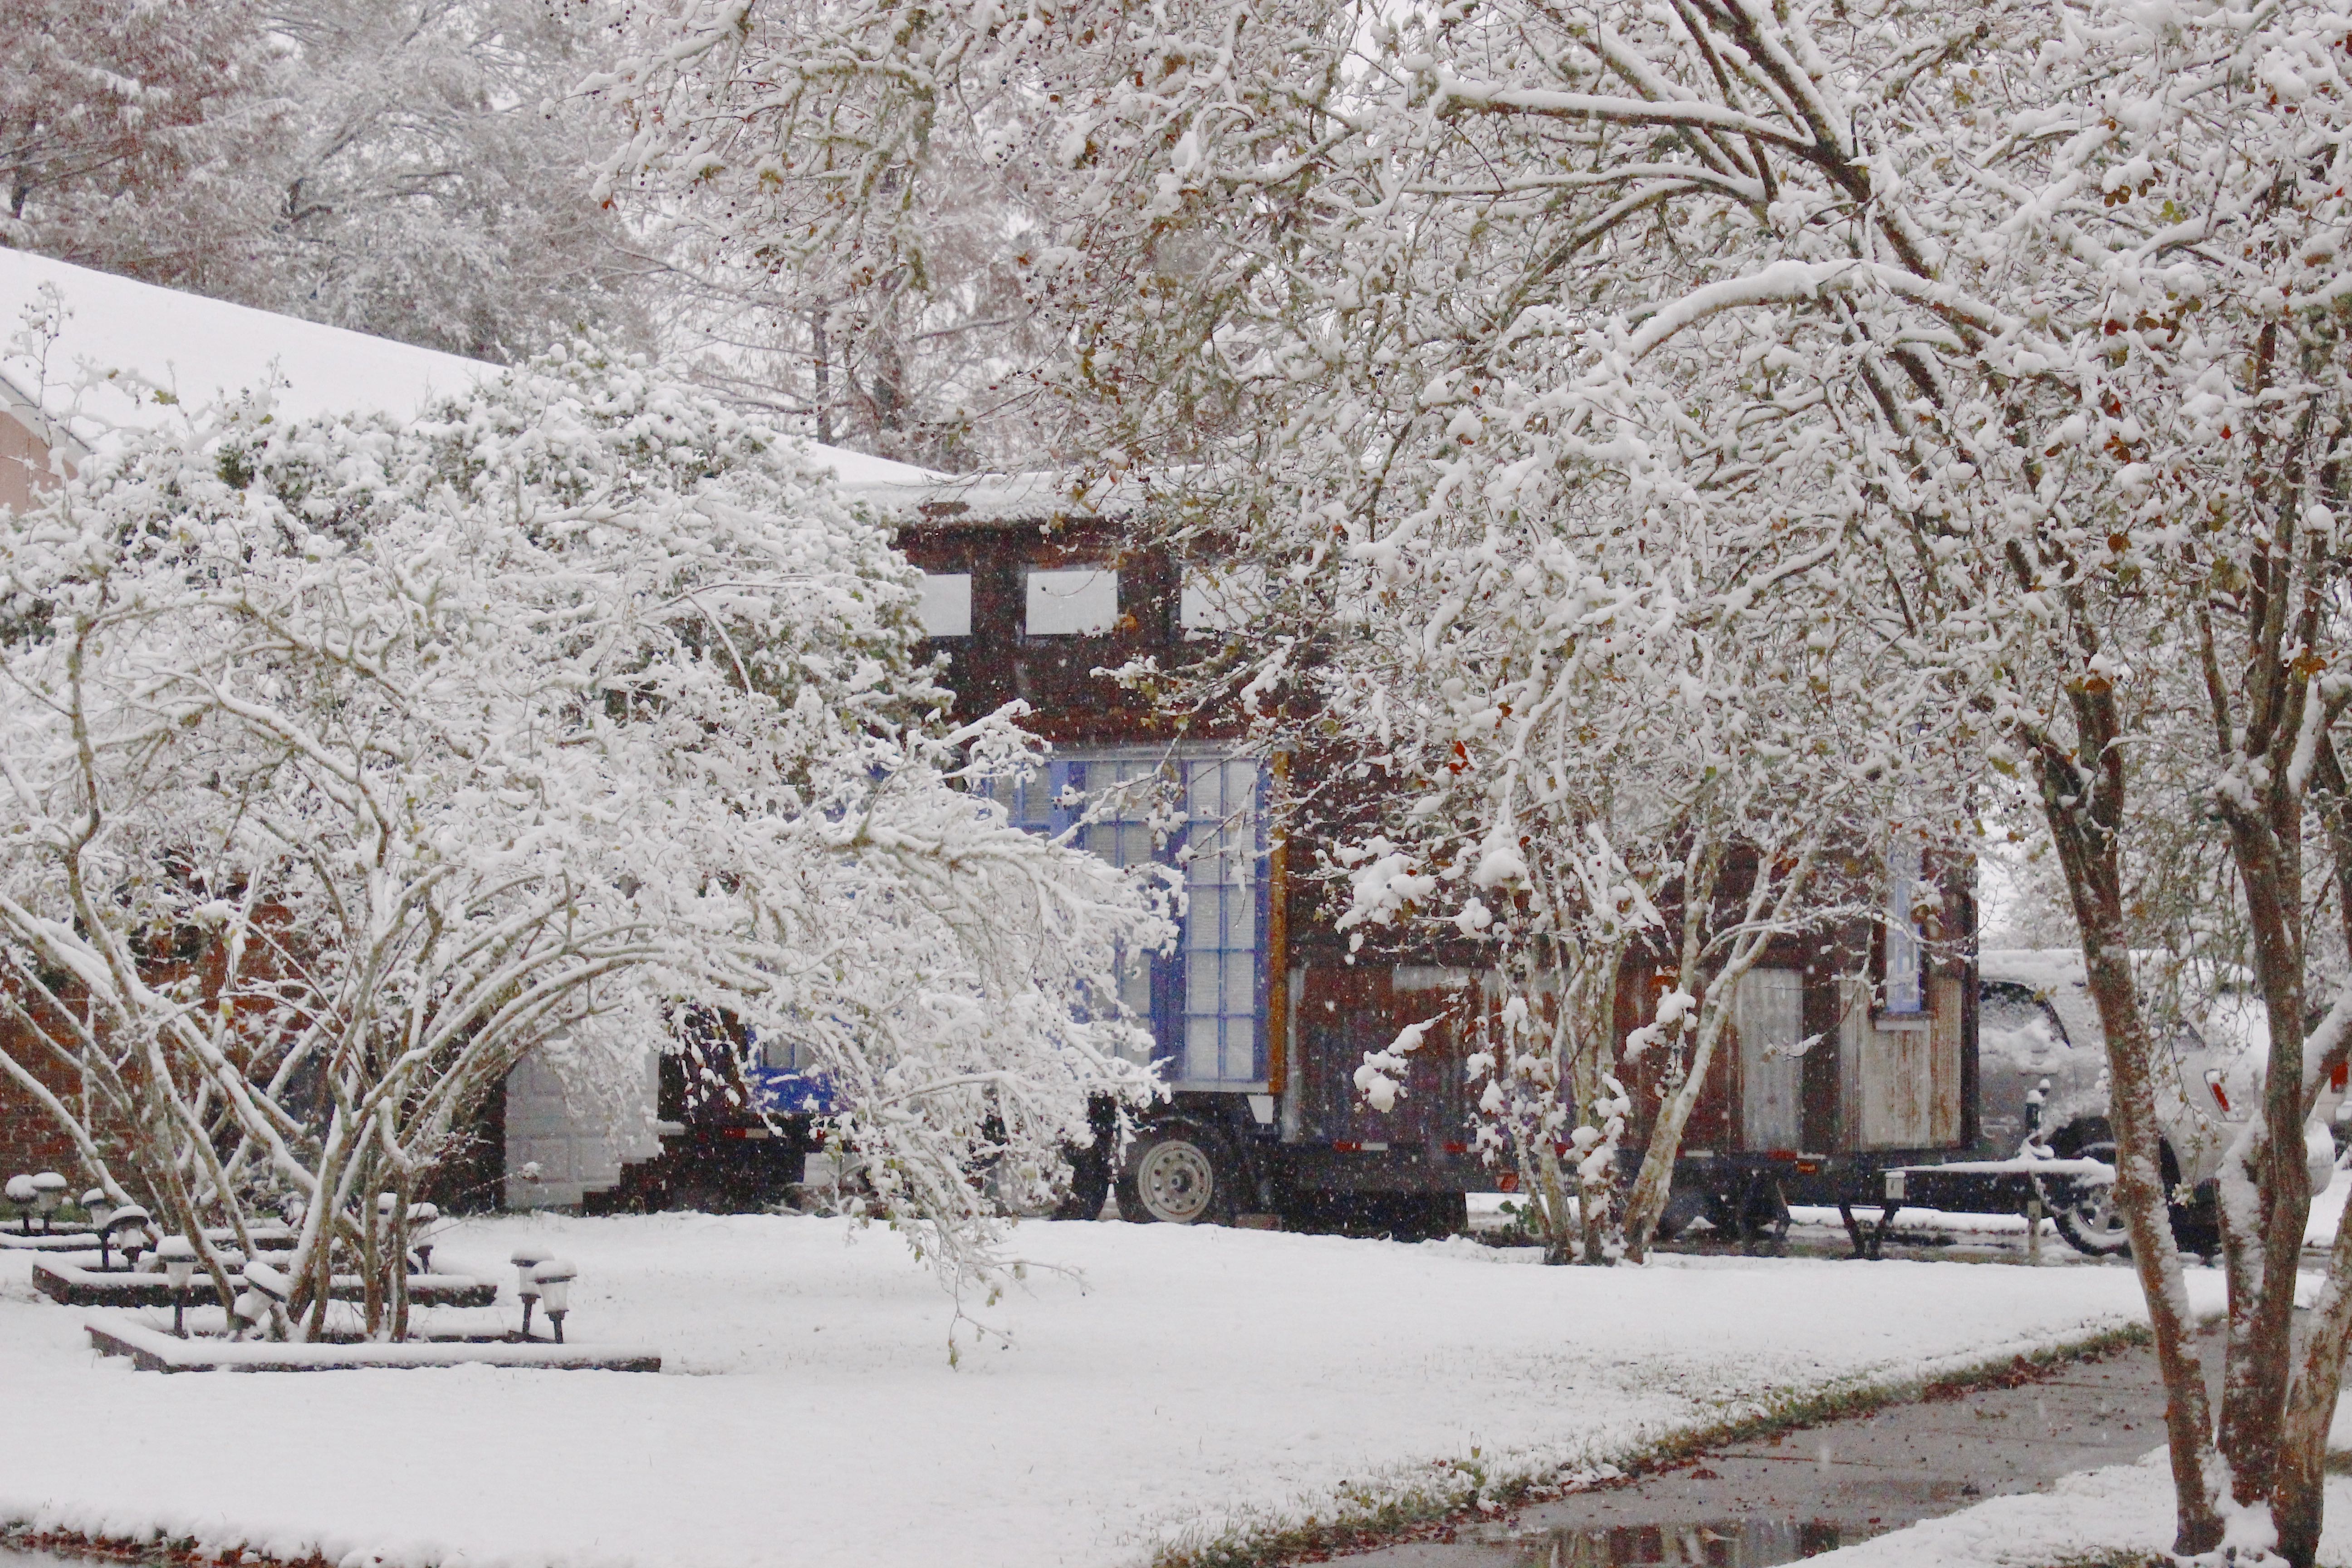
(1177, 1175)
(1090, 1166)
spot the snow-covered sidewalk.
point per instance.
(808, 1413)
(2116, 1509)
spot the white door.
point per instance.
(1769, 1013)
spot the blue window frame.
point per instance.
(1205, 813)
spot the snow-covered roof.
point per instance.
(981, 500)
(115, 341)
(88, 351)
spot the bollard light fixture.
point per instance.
(526, 1259)
(48, 1192)
(100, 1208)
(555, 1277)
(420, 1216)
(179, 1256)
(20, 1191)
(128, 1229)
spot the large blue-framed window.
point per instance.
(1205, 813)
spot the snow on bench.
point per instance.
(152, 1349)
(71, 1285)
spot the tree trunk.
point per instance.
(2084, 815)
(2264, 1265)
(2295, 1493)
(1655, 1182)
(398, 1260)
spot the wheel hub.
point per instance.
(1176, 1182)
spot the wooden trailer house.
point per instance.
(1261, 1019)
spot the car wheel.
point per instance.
(2197, 1229)
(2087, 1215)
(1177, 1175)
(2090, 1221)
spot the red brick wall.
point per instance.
(23, 461)
(29, 1137)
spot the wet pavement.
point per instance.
(1778, 1500)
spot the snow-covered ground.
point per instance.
(2118, 1509)
(809, 1414)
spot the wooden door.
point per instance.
(1902, 1074)
(1767, 1012)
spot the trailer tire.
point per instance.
(1090, 1167)
(1686, 1206)
(1177, 1175)
(1433, 1217)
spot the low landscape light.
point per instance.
(100, 1208)
(48, 1192)
(128, 1229)
(554, 1277)
(20, 1191)
(179, 1256)
(421, 1215)
(526, 1259)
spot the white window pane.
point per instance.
(1205, 920)
(1241, 999)
(1902, 949)
(1241, 919)
(1200, 984)
(1201, 1049)
(1220, 598)
(945, 608)
(1077, 602)
(1240, 1050)
(1135, 986)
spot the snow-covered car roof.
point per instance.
(2054, 974)
(87, 351)
(2232, 1012)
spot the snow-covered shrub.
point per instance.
(346, 763)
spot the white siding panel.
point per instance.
(579, 1148)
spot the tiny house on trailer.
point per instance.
(1852, 1052)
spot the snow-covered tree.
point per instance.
(2009, 340)
(414, 170)
(433, 184)
(1610, 760)
(121, 127)
(886, 311)
(347, 764)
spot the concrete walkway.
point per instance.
(1753, 1504)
